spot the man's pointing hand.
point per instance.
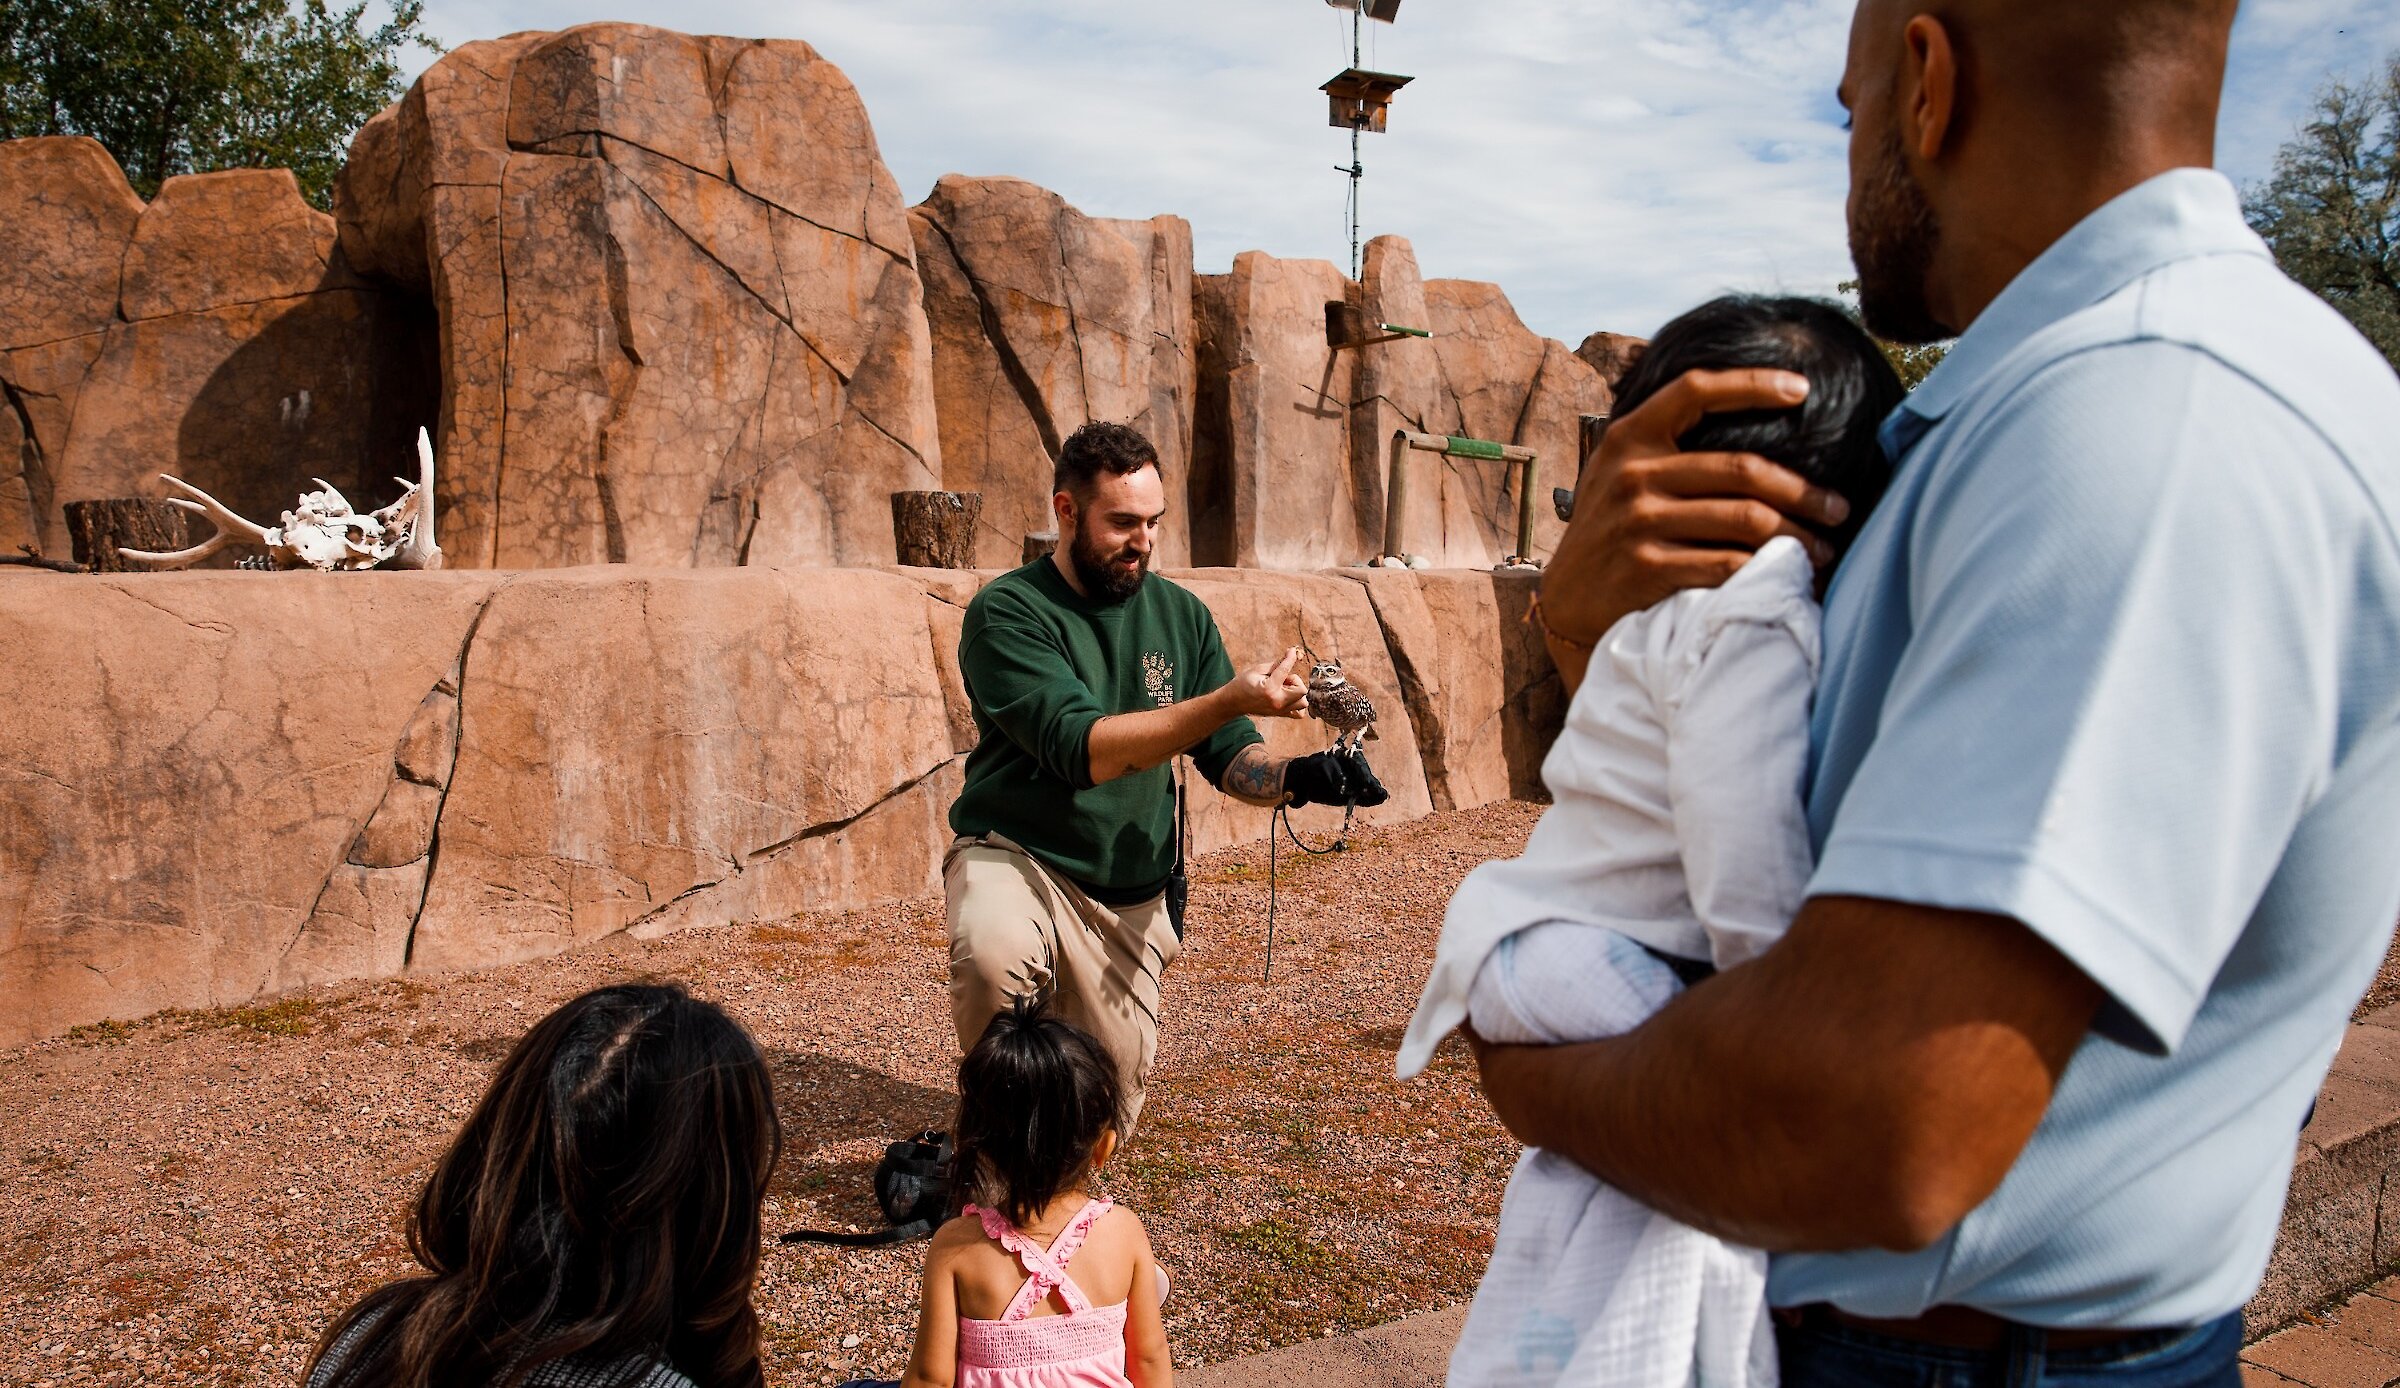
(1274, 689)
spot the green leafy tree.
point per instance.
(2332, 208)
(186, 86)
(1913, 363)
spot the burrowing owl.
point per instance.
(1339, 703)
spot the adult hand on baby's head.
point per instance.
(1651, 520)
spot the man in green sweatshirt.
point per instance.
(1089, 675)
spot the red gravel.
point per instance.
(187, 1200)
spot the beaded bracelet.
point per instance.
(1533, 614)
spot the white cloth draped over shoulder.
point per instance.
(1677, 827)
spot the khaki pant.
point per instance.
(1018, 928)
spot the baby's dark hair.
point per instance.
(1829, 438)
(1034, 1097)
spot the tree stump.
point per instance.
(1040, 545)
(99, 529)
(936, 530)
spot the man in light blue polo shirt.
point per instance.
(2106, 788)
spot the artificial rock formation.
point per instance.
(202, 811)
(1043, 319)
(661, 303)
(1612, 354)
(679, 313)
(1294, 432)
(215, 333)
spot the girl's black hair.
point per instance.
(601, 1204)
(1829, 438)
(1034, 1096)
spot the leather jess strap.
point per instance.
(1954, 1327)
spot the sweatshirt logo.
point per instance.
(1158, 676)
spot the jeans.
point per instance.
(1833, 1356)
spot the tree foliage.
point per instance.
(2332, 208)
(186, 86)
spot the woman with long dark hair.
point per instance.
(596, 1222)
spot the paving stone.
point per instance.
(2256, 1376)
(2370, 1320)
(2349, 1108)
(2370, 1054)
(2325, 1359)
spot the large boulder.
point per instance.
(1293, 440)
(1612, 355)
(189, 760)
(1275, 483)
(224, 785)
(679, 312)
(1483, 699)
(71, 216)
(1044, 319)
(1260, 615)
(220, 786)
(1503, 381)
(216, 334)
(642, 752)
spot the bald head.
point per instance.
(1985, 129)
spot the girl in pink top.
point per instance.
(1038, 1284)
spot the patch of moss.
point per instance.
(287, 1017)
(109, 1033)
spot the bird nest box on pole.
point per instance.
(1385, 10)
(1362, 100)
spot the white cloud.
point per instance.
(1610, 162)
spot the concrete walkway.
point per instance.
(2353, 1345)
(1411, 1353)
(2341, 1227)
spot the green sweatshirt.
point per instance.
(1042, 665)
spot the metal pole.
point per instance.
(1358, 20)
(1357, 172)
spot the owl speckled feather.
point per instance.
(1340, 704)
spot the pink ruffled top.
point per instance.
(1084, 1348)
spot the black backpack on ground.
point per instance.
(912, 1184)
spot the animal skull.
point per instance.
(321, 531)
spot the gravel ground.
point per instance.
(187, 1199)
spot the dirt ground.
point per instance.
(187, 1199)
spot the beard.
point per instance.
(1893, 234)
(1116, 575)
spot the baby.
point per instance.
(1676, 845)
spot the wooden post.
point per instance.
(1395, 496)
(98, 529)
(1525, 509)
(1041, 545)
(936, 530)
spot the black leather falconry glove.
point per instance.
(1321, 778)
(1365, 790)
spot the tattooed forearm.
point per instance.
(1255, 777)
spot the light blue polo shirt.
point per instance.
(2119, 657)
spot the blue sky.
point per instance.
(1609, 162)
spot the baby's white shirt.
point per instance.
(1677, 783)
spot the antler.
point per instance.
(420, 552)
(231, 529)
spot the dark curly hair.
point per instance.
(1100, 446)
(1828, 438)
(601, 1205)
(1034, 1096)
